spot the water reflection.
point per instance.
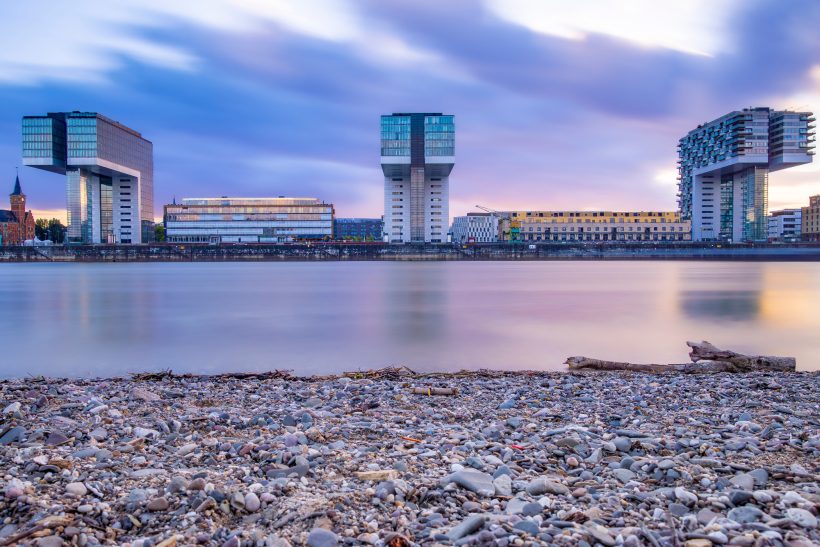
(720, 305)
(319, 318)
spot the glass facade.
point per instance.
(439, 136)
(109, 172)
(248, 220)
(395, 135)
(738, 149)
(358, 228)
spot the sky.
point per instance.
(558, 105)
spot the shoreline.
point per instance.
(374, 457)
(341, 252)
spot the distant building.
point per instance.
(248, 220)
(109, 172)
(810, 228)
(724, 170)
(362, 229)
(785, 225)
(475, 228)
(16, 224)
(601, 226)
(417, 155)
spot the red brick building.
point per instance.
(17, 224)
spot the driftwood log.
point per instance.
(434, 391)
(705, 358)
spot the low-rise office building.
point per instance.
(475, 228)
(583, 226)
(358, 229)
(785, 225)
(248, 220)
(810, 226)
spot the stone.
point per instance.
(801, 517)
(745, 514)
(600, 533)
(739, 497)
(760, 476)
(186, 449)
(76, 489)
(12, 408)
(744, 481)
(252, 502)
(158, 504)
(624, 475)
(541, 485)
(705, 516)
(503, 485)
(532, 509)
(468, 526)
(527, 526)
(678, 509)
(321, 537)
(13, 435)
(382, 475)
(56, 438)
(474, 481)
(685, 497)
(144, 395)
(622, 444)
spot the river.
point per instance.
(328, 317)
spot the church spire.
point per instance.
(17, 190)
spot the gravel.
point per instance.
(511, 459)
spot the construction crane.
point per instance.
(515, 225)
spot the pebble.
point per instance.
(512, 459)
(76, 489)
(320, 537)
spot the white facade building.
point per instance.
(785, 225)
(417, 155)
(475, 228)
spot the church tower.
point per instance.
(18, 201)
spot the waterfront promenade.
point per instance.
(164, 252)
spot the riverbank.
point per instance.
(508, 459)
(384, 252)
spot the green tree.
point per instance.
(52, 230)
(159, 233)
(41, 228)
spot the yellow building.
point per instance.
(810, 230)
(598, 226)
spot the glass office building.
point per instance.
(417, 156)
(248, 220)
(361, 229)
(724, 168)
(109, 171)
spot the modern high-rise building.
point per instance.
(248, 220)
(724, 170)
(109, 172)
(417, 155)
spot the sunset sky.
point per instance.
(558, 105)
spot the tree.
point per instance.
(159, 233)
(49, 229)
(41, 229)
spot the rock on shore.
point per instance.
(512, 459)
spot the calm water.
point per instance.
(111, 319)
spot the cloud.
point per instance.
(680, 26)
(579, 109)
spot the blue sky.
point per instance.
(559, 105)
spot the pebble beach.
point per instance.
(397, 458)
